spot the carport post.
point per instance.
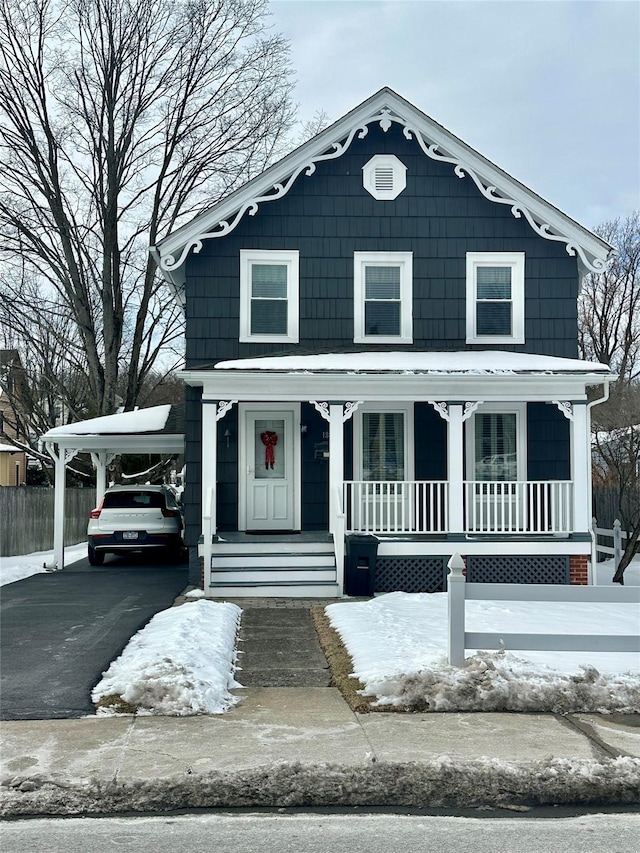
(60, 457)
(100, 461)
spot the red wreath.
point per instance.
(269, 439)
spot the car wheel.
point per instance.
(96, 558)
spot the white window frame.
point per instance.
(403, 260)
(289, 259)
(517, 409)
(395, 169)
(514, 260)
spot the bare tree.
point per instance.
(609, 331)
(119, 119)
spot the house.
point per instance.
(13, 459)
(381, 340)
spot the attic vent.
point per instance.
(384, 176)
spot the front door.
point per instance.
(269, 471)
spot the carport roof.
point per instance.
(158, 429)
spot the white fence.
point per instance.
(459, 639)
(617, 534)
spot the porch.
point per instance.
(500, 443)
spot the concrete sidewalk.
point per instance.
(305, 747)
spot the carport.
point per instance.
(159, 429)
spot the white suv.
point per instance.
(135, 518)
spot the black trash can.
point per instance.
(360, 564)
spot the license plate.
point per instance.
(130, 534)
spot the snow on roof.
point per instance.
(9, 448)
(142, 420)
(485, 362)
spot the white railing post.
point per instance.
(455, 610)
(338, 543)
(336, 461)
(208, 515)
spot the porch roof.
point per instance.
(449, 362)
(158, 429)
(409, 375)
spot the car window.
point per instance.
(133, 500)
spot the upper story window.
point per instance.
(382, 286)
(269, 310)
(384, 176)
(495, 297)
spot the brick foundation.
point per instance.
(579, 569)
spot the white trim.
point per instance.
(520, 411)
(384, 107)
(487, 546)
(384, 177)
(277, 406)
(404, 261)
(290, 259)
(514, 260)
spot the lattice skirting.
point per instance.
(520, 569)
(411, 574)
(428, 574)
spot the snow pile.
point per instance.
(398, 645)
(181, 664)
(14, 569)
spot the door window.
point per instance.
(269, 445)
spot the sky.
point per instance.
(548, 90)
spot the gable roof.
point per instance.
(385, 107)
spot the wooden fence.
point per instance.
(26, 518)
(459, 639)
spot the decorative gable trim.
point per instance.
(384, 108)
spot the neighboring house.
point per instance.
(381, 338)
(13, 460)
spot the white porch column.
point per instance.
(336, 461)
(581, 467)
(455, 468)
(209, 466)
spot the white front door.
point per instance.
(269, 491)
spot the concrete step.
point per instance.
(270, 560)
(276, 547)
(274, 589)
(277, 574)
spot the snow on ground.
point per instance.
(180, 664)
(16, 568)
(183, 661)
(398, 644)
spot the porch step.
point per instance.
(273, 589)
(299, 569)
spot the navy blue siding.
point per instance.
(329, 216)
(430, 443)
(549, 447)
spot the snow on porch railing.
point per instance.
(414, 506)
(509, 506)
(459, 639)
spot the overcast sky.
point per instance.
(549, 90)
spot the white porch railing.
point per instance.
(543, 506)
(421, 506)
(414, 506)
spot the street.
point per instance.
(319, 833)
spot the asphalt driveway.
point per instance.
(60, 631)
